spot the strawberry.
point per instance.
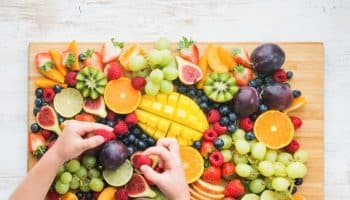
(210, 135)
(216, 159)
(206, 148)
(246, 124)
(131, 118)
(68, 59)
(188, 50)
(213, 115)
(241, 56)
(297, 122)
(107, 135)
(111, 50)
(219, 128)
(48, 95)
(142, 160)
(46, 134)
(70, 79)
(36, 144)
(94, 59)
(212, 175)
(293, 146)
(121, 128)
(280, 76)
(228, 170)
(113, 70)
(138, 83)
(234, 189)
(121, 194)
(242, 75)
(44, 61)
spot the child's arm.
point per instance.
(69, 144)
(172, 181)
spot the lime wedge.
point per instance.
(250, 197)
(120, 176)
(68, 102)
(268, 195)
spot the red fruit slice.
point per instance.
(47, 119)
(138, 187)
(95, 107)
(189, 73)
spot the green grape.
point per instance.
(250, 197)
(239, 134)
(285, 158)
(61, 188)
(94, 173)
(266, 168)
(227, 155)
(137, 63)
(156, 76)
(154, 57)
(170, 73)
(271, 155)
(280, 169)
(73, 166)
(242, 146)
(257, 186)
(82, 172)
(243, 170)
(166, 87)
(84, 186)
(268, 183)
(162, 43)
(258, 151)
(75, 183)
(142, 73)
(238, 158)
(296, 170)
(301, 156)
(151, 88)
(172, 64)
(254, 175)
(66, 177)
(60, 170)
(269, 195)
(227, 141)
(96, 184)
(280, 183)
(167, 57)
(89, 161)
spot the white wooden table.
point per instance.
(239, 20)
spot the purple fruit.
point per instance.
(113, 154)
(277, 96)
(267, 58)
(246, 101)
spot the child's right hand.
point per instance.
(172, 181)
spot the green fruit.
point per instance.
(220, 87)
(61, 188)
(89, 161)
(91, 82)
(227, 141)
(120, 176)
(68, 102)
(227, 155)
(73, 166)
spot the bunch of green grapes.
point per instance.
(76, 175)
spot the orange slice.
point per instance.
(274, 129)
(226, 58)
(193, 163)
(208, 187)
(127, 53)
(121, 97)
(296, 104)
(298, 197)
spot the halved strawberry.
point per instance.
(188, 50)
(111, 50)
(242, 75)
(241, 56)
(36, 144)
(43, 61)
(94, 59)
(68, 59)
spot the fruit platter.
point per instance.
(248, 116)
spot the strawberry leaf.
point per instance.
(235, 52)
(70, 60)
(184, 43)
(47, 66)
(116, 43)
(88, 53)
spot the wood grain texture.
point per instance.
(304, 59)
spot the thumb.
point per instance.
(92, 142)
(150, 174)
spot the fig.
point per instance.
(113, 154)
(189, 73)
(138, 187)
(246, 101)
(95, 106)
(138, 159)
(277, 96)
(47, 119)
(267, 58)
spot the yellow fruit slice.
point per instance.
(296, 104)
(207, 194)
(107, 193)
(203, 65)
(193, 163)
(226, 58)
(208, 187)
(214, 61)
(196, 195)
(274, 129)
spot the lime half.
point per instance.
(250, 197)
(120, 176)
(68, 102)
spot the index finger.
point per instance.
(83, 128)
(169, 143)
(162, 152)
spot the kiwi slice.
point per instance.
(220, 87)
(91, 82)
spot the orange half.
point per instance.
(274, 129)
(192, 162)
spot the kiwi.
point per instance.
(220, 87)
(91, 82)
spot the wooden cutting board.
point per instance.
(304, 59)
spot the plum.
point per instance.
(277, 96)
(113, 154)
(267, 58)
(246, 101)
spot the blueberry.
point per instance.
(289, 75)
(224, 110)
(216, 105)
(252, 83)
(294, 190)
(136, 131)
(57, 89)
(232, 116)
(200, 93)
(39, 92)
(218, 143)
(143, 136)
(35, 127)
(249, 135)
(136, 141)
(80, 195)
(88, 196)
(110, 123)
(131, 150)
(141, 145)
(298, 181)
(258, 81)
(102, 121)
(61, 119)
(197, 100)
(126, 141)
(224, 121)
(82, 57)
(204, 106)
(197, 144)
(131, 138)
(150, 141)
(181, 89)
(191, 92)
(38, 102)
(204, 98)
(35, 111)
(296, 93)
(253, 116)
(231, 128)
(262, 108)
(268, 79)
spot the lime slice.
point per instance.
(68, 102)
(250, 197)
(268, 195)
(120, 176)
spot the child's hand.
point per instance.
(71, 143)
(172, 181)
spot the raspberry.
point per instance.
(114, 71)
(219, 129)
(107, 135)
(280, 76)
(48, 95)
(213, 116)
(293, 146)
(70, 79)
(142, 160)
(234, 189)
(246, 124)
(110, 115)
(297, 122)
(138, 83)
(52, 195)
(131, 119)
(121, 128)
(216, 159)
(121, 194)
(210, 135)
(46, 134)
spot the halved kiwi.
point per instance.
(91, 82)
(220, 87)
